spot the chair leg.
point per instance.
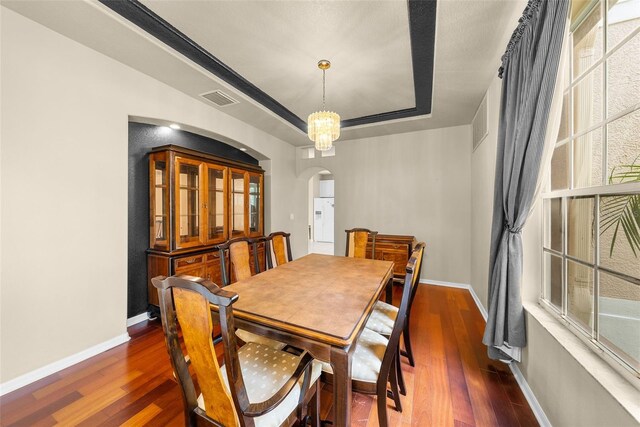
(398, 367)
(315, 407)
(406, 337)
(383, 420)
(395, 392)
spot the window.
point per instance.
(591, 242)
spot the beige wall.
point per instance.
(63, 177)
(413, 183)
(567, 392)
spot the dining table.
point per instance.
(319, 303)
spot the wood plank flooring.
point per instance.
(454, 383)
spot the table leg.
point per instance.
(389, 291)
(341, 365)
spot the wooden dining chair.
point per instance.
(374, 364)
(357, 239)
(384, 315)
(235, 257)
(238, 254)
(278, 249)
(247, 390)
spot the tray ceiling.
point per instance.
(382, 55)
(264, 53)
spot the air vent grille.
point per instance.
(219, 98)
(480, 124)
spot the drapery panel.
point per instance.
(529, 121)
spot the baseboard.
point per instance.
(137, 319)
(483, 310)
(531, 398)
(54, 367)
(522, 382)
(445, 284)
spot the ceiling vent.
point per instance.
(480, 124)
(219, 98)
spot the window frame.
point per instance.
(591, 337)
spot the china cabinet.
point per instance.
(197, 201)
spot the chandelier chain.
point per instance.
(323, 89)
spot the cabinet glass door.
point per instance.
(216, 205)
(159, 201)
(188, 203)
(238, 195)
(255, 204)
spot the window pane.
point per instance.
(567, 75)
(553, 279)
(617, 225)
(623, 17)
(623, 85)
(580, 293)
(587, 101)
(619, 317)
(587, 160)
(587, 42)
(623, 148)
(563, 132)
(553, 224)
(560, 168)
(580, 239)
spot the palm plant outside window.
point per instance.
(591, 243)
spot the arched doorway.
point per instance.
(321, 213)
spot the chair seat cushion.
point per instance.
(248, 337)
(265, 370)
(382, 318)
(367, 357)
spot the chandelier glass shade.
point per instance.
(323, 127)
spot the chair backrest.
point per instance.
(357, 239)
(239, 259)
(186, 299)
(278, 249)
(411, 281)
(417, 278)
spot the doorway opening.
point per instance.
(321, 213)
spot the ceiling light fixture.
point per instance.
(323, 126)
(174, 126)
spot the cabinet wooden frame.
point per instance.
(260, 213)
(190, 240)
(232, 204)
(168, 254)
(154, 240)
(207, 206)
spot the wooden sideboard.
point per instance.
(394, 248)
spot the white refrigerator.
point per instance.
(323, 219)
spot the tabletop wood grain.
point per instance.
(323, 297)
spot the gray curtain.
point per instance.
(529, 72)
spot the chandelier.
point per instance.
(323, 126)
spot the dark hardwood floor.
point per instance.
(453, 383)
